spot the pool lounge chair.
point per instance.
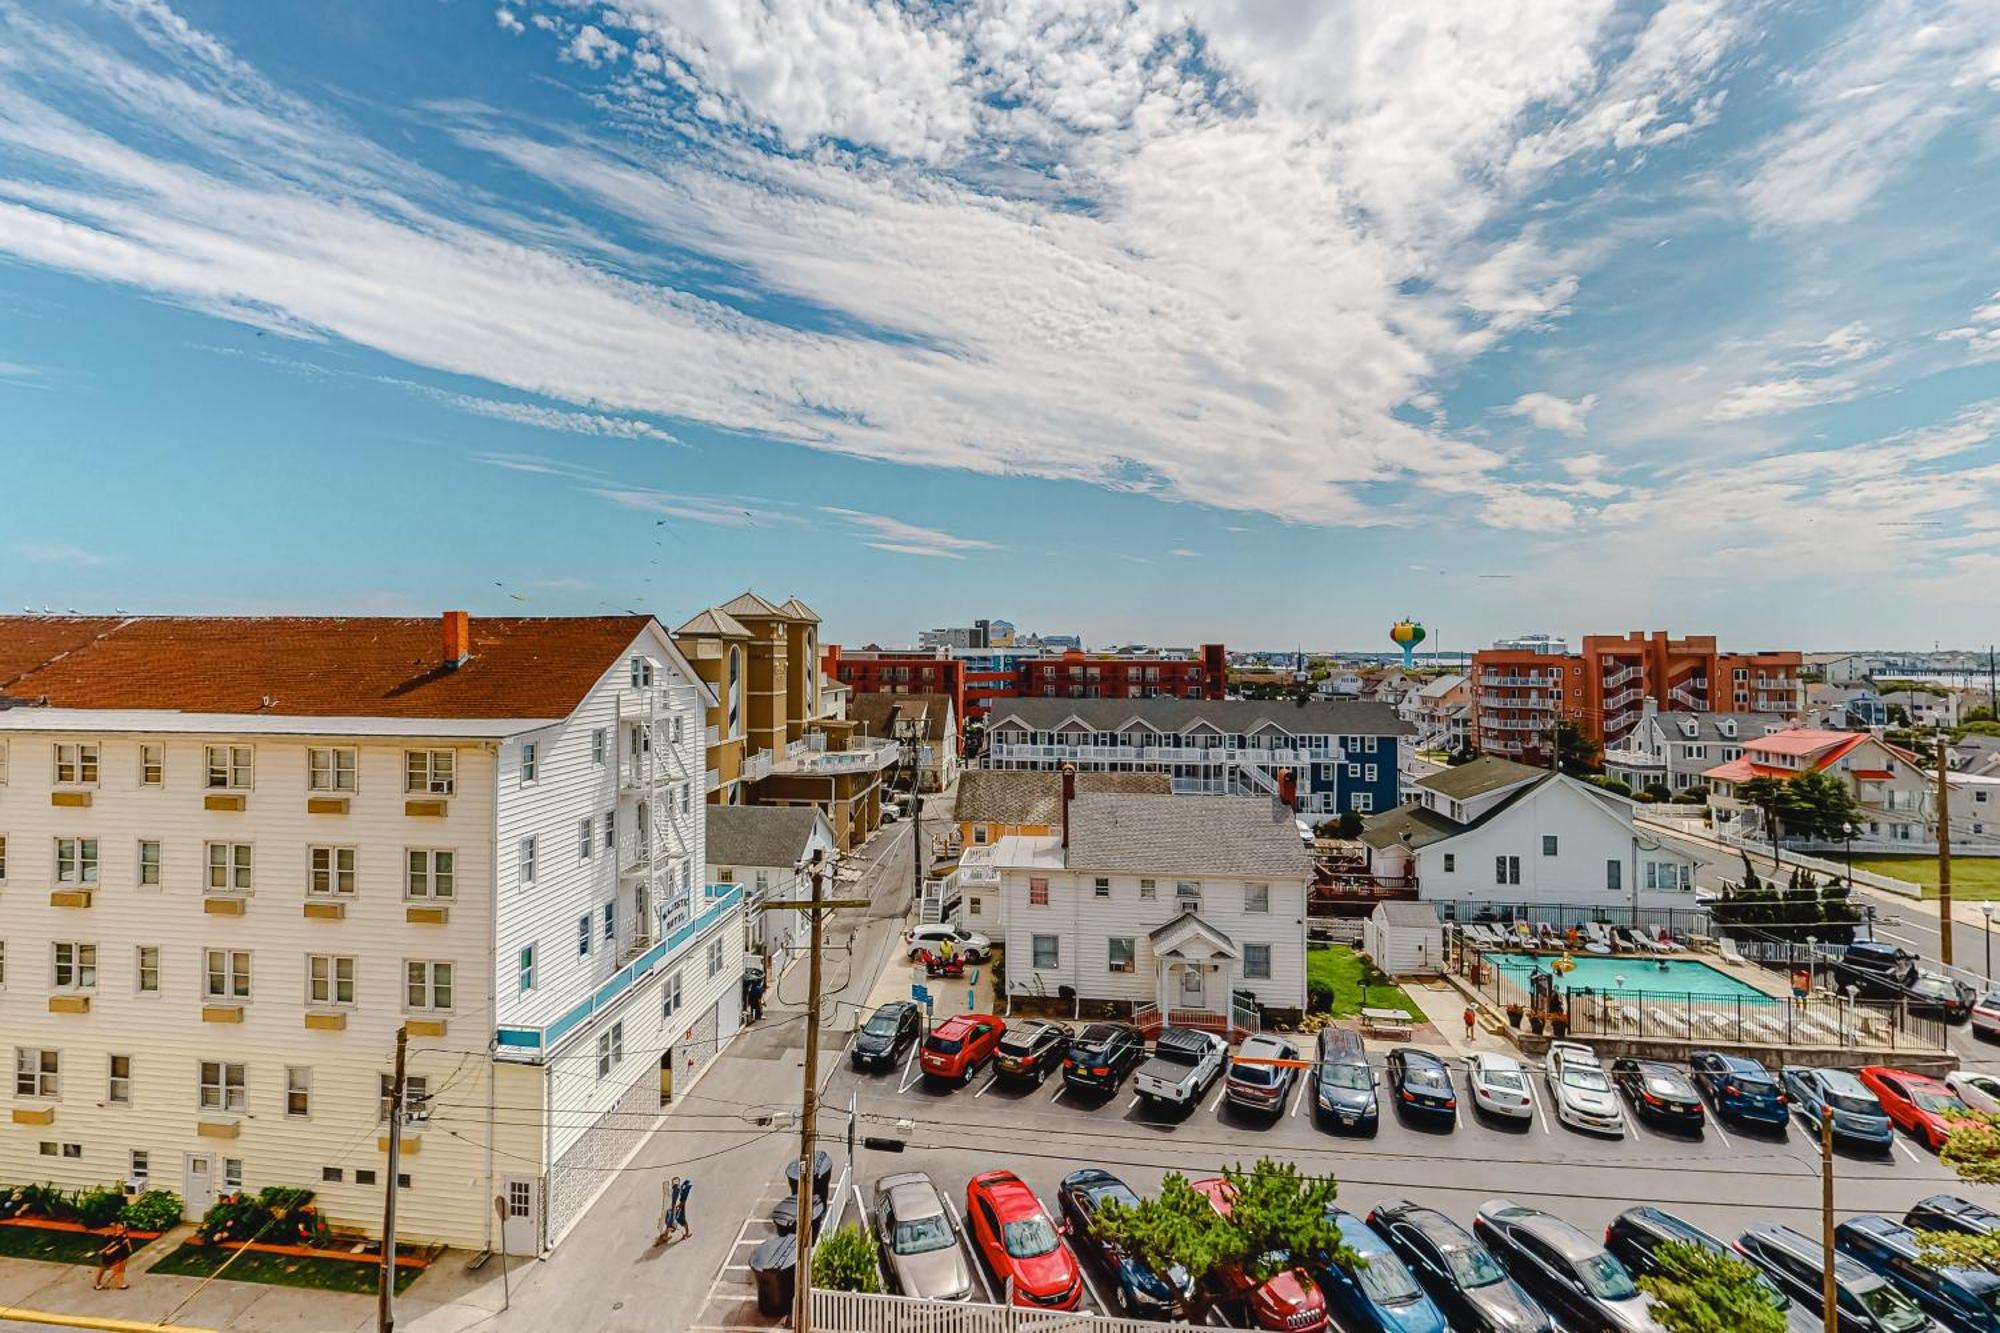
(1599, 938)
(1731, 954)
(1663, 943)
(1765, 1027)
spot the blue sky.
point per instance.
(1263, 322)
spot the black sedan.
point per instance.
(1030, 1050)
(1659, 1093)
(1936, 993)
(1460, 1274)
(1138, 1289)
(1422, 1084)
(1101, 1056)
(887, 1035)
(1575, 1277)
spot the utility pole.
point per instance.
(917, 826)
(1829, 1288)
(1944, 853)
(385, 1302)
(816, 908)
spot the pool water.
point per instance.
(1643, 976)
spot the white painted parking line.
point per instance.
(987, 1086)
(1103, 1306)
(1133, 1104)
(1216, 1105)
(860, 1208)
(1535, 1113)
(912, 1071)
(978, 1262)
(1219, 1319)
(1716, 1122)
(1299, 1098)
(1062, 1086)
(1908, 1151)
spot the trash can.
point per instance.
(822, 1175)
(785, 1217)
(773, 1265)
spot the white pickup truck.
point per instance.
(1185, 1062)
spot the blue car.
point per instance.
(1377, 1295)
(1858, 1117)
(1139, 1290)
(1964, 1299)
(1740, 1090)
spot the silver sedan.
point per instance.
(920, 1247)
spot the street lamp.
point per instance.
(1849, 828)
(1986, 910)
(1812, 957)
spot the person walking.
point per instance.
(111, 1259)
(681, 1192)
(1471, 1019)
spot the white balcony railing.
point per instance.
(757, 767)
(1534, 681)
(1516, 701)
(1613, 679)
(1631, 695)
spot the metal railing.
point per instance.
(859, 1312)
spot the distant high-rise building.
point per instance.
(1546, 644)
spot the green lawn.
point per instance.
(281, 1270)
(51, 1247)
(1340, 967)
(1972, 877)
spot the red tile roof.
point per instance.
(1801, 740)
(1736, 770)
(520, 667)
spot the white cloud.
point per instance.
(1511, 507)
(892, 534)
(1850, 342)
(592, 47)
(1552, 413)
(1771, 397)
(1980, 333)
(716, 511)
(541, 418)
(1184, 553)
(55, 553)
(508, 21)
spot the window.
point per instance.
(430, 772)
(597, 747)
(364, 1175)
(979, 835)
(298, 1091)
(642, 672)
(1122, 954)
(333, 1175)
(227, 974)
(231, 766)
(429, 984)
(680, 731)
(714, 957)
(416, 1093)
(76, 860)
(1450, 862)
(610, 1049)
(1038, 892)
(1100, 887)
(1256, 897)
(586, 838)
(1614, 875)
(37, 1072)
(670, 996)
(229, 867)
(329, 979)
(3, 860)
(611, 918)
(1149, 889)
(232, 1174)
(331, 871)
(118, 1087)
(530, 767)
(3, 763)
(75, 965)
(610, 830)
(430, 873)
(1187, 895)
(152, 765)
(583, 935)
(149, 969)
(329, 769)
(1364, 802)
(1506, 870)
(149, 865)
(76, 765)
(1048, 951)
(1256, 962)
(138, 1169)
(222, 1086)
(526, 969)
(1548, 844)
(526, 864)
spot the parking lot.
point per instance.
(1723, 1179)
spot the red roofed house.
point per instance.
(1897, 798)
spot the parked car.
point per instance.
(1740, 1090)
(1637, 1234)
(967, 944)
(1920, 1105)
(1866, 1301)
(1499, 1086)
(1986, 1015)
(1343, 1084)
(1020, 1244)
(1422, 1084)
(1101, 1055)
(1185, 1062)
(1935, 993)
(1288, 1300)
(1375, 1294)
(1948, 1212)
(1876, 956)
(921, 1255)
(959, 1046)
(1137, 1289)
(1576, 1279)
(1963, 1299)
(1458, 1271)
(1979, 1091)
(1858, 1117)
(1581, 1093)
(1659, 1092)
(1029, 1049)
(887, 1035)
(1255, 1083)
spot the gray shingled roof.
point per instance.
(883, 714)
(1406, 914)
(1338, 717)
(759, 835)
(1708, 726)
(1421, 826)
(994, 796)
(1482, 775)
(1186, 836)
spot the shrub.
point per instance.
(1319, 997)
(1615, 786)
(99, 1206)
(1657, 791)
(43, 1200)
(845, 1261)
(1695, 795)
(155, 1210)
(276, 1215)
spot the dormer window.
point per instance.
(642, 673)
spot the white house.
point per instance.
(237, 855)
(1897, 799)
(1676, 750)
(769, 850)
(1405, 939)
(1171, 903)
(1494, 831)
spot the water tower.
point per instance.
(1407, 634)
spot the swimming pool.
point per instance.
(1643, 976)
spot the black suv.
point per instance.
(889, 1032)
(1868, 1303)
(1030, 1049)
(1343, 1086)
(1948, 1212)
(1101, 1056)
(1636, 1235)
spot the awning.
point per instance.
(1189, 937)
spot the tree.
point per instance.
(1767, 795)
(1576, 753)
(1820, 805)
(1972, 1150)
(845, 1261)
(1349, 825)
(1657, 791)
(1703, 1291)
(1616, 786)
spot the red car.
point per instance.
(960, 1045)
(1019, 1242)
(1291, 1301)
(1915, 1102)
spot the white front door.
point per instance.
(1191, 986)
(520, 1224)
(197, 1185)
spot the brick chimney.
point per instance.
(1288, 788)
(1068, 795)
(457, 638)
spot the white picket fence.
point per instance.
(858, 1312)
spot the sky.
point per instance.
(1253, 320)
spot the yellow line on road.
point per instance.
(9, 1312)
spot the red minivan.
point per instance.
(1020, 1243)
(1289, 1301)
(960, 1045)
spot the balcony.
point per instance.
(1512, 724)
(1535, 681)
(757, 767)
(1620, 676)
(1536, 700)
(713, 737)
(1624, 697)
